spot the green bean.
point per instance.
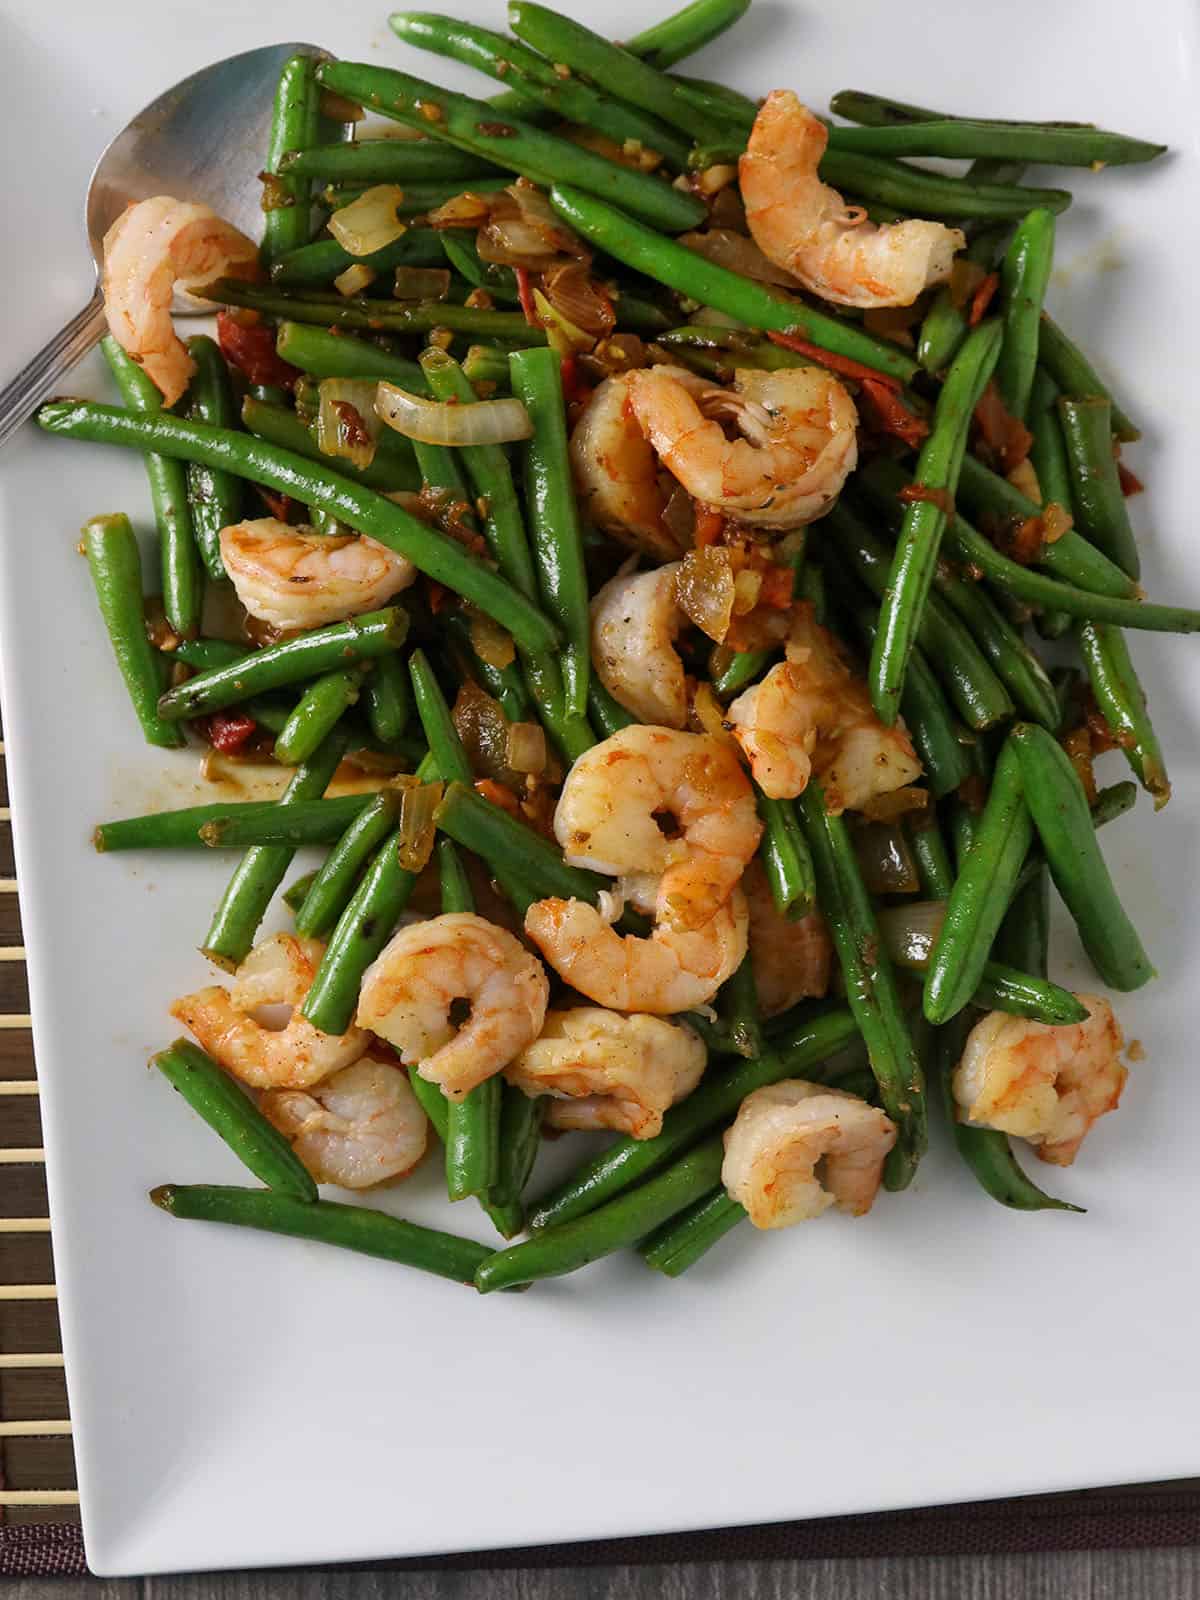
(520, 1138)
(249, 821)
(680, 1242)
(461, 251)
(931, 194)
(445, 747)
(504, 684)
(419, 199)
(870, 982)
(358, 1228)
(571, 98)
(615, 1226)
(377, 315)
(1110, 803)
(361, 932)
(502, 841)
(116, 567)
(977, 693)
(182, 579)
(1100, 510)
(434, 553)
(300, 822)
(290, 661)
(1015, 664)
(394, 465)
(945, 323)
(1048, 457)
(739, 1011)
(628, 1161)
(295, 894)
(608, 714)
(717, 100)
(231, 1113)
(388, 699)
(513, 144)
(1122, 702)
(215, 496)
(921, 532)
(786, 858)
(681, 269)
(929, 851)
(317, 712)
(1074, 374)
(985, 1151)
(384, 161)
(340, 355)
(958, 139)
(1024, 274)
(260, 871)
(320, 262)
(741, 668)
(554, 515)
(685, 31)
(1024, 937)
(208, 653)
(329, 889)
(1064, 824)
(507, 1219)
(486, 364)
(287, 222)
(880, 111)
(987, 876)
(1022, 994)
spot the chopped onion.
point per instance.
(910, 932)
(746, 589)
(704, 590)
(513, 242)
(370, 222)
(466, 210)
(490, 642)
(896, 803)
(1025, 478)
(346, 422)
(421, 283)
(710, 715)
(355, 279)
(739, 254)
(418, 803)
(1056, 520)
(480, 723)
(441, 422)
(561, 332)
(578, 299)
(338, 109)
(885, 859)
(713, 179)
(526, 747)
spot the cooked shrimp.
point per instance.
(608, 1071)
(409, 991)
(811, 715)
(617, 476)
(797, 1148)
(791, 959)
(360, 1127)
(672, 970)
(294, 579)
(804, 226)
(635, 621)
(1041, 1083)
(797, 447)
(607, 818)
(151, 249)
(278, 972)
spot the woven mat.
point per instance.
(39, 1513)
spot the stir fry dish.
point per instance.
(632, 513)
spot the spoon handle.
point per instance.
(20, 398)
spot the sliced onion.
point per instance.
(346, 422)
(1056, 520)
(466, 210)
(896, 803)
(739, 254)
(710, 317)
(371, 221)
(480, 723)
(704, 590)
(421, 283)
(910, 932)
(355, 279)
(578, 298)
(561, 332)
(418, 803)
(527, 747)
(441, 422)
(514, 242)
(885, 859)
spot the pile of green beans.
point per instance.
(457, 700)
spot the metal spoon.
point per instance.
(203, 140)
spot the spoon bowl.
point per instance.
(203, 140)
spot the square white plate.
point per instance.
(243, 1400)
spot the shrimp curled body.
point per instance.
(616, 474)
(797, 1148)
(608, 1071)
(151, 249)
(606, 818)
(1042, 1083)
(672, 970)
(635, 621)
(278, 972)
(294, 579)
(360, 1127)
(409, 989)
(804, 226)
(812, 716)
